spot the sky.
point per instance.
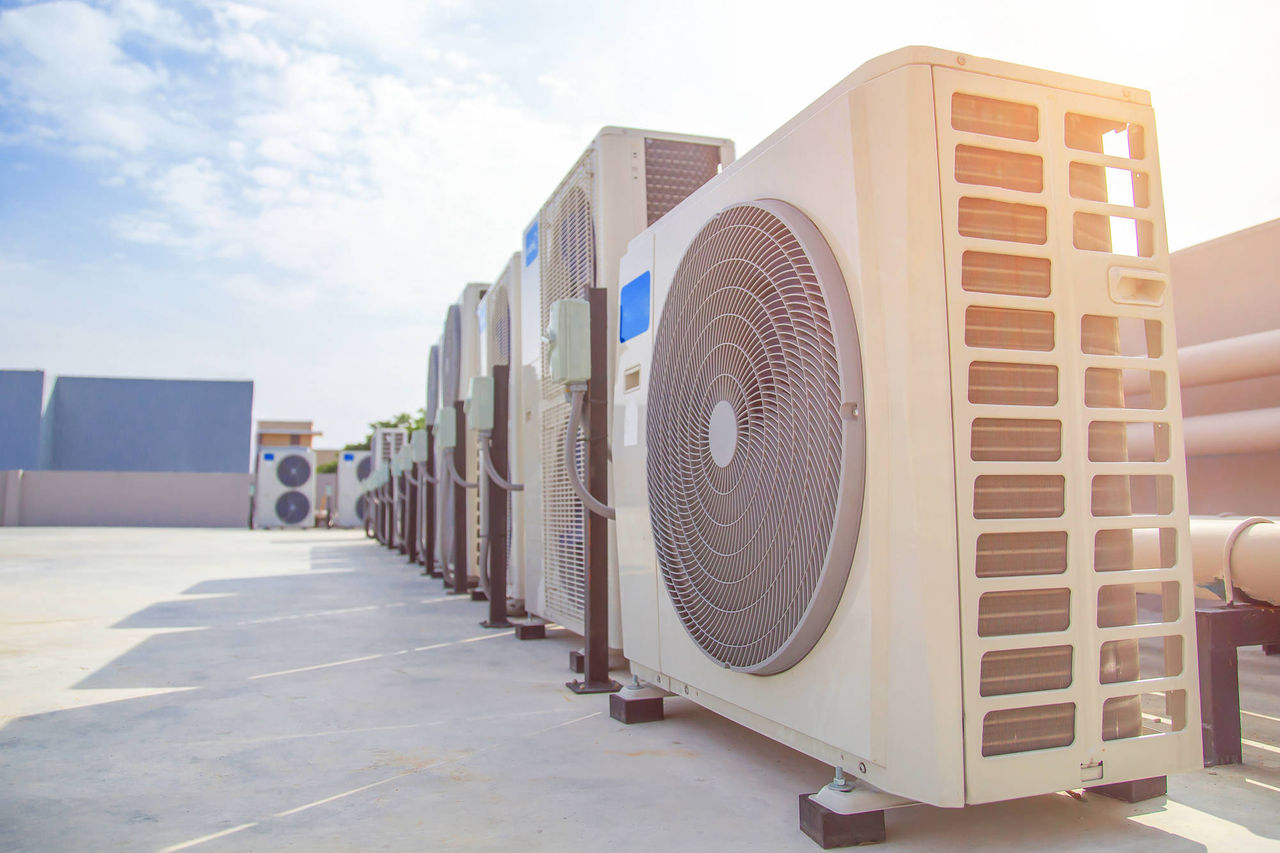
(293, 191)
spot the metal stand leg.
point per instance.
(411, 519)
(1219, 632)
(596, 616)
(461, 577)
(429, 511)
(497, 502)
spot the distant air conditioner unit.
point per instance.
(429, 409)
(625, 181)
(285, 489)
(353, 467)
(386, 444)
(459, 362)
(875, 472)
(499, 337)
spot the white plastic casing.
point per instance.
(479, 405)
(892, 687)
(446, 428)
(569, 342)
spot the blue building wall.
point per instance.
(21, 396)
(102, 424)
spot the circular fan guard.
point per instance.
(433, 383)
(451, 358)
(575, 240)
(364, 467)
(293, 470)
(292, 507)
(755, 446)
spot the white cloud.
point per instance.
(364, 159)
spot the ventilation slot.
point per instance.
(1139, 660)
(1121, 606)
(1025, 670)
(1025, 729)
(1002, 220)
(1119, 235)
(1004, 555)
(1024, 611)
(1126, 336)
(1104, 136)
(1144, 714)
(993, 168)
(1109, 185)
(998, 383)
(1015, 440)
(990, 117)
(673, 170)
(1116, 388)
(1140, 548)
(1018, 496)
(1011, 275)
(1008, 328)
(1132, 494)
(1115, 441)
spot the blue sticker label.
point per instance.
(531, 244)
(633, 307)
(347, 457)
(268, 456)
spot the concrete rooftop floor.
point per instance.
(234, 690)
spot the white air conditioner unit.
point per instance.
(429, 409)
(625, 181)
(354, 466)
(459, 362)
(285, 487)
(499, 335)
(386, 443)
(875, 496)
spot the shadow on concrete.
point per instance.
(321, 719)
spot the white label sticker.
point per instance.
(631, 424)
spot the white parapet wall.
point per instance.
(123, 499)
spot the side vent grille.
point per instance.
(673, 170)
(568, 269)
(1062, 433)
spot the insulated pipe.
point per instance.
(494, 476)
(1244, 550)
(1230, 359)
(1250, 431)
(576, 396)
(455, 476)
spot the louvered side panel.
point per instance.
(1055, 372)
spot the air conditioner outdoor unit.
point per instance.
(499, 338)
(353, 467)
(625, 181)
(429, 409)
(875, 459)
(285, 490)
(386, 443)
(459, 362)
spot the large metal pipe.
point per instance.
(1230, 359)
(1245, 549)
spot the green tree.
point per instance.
(410, 422)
